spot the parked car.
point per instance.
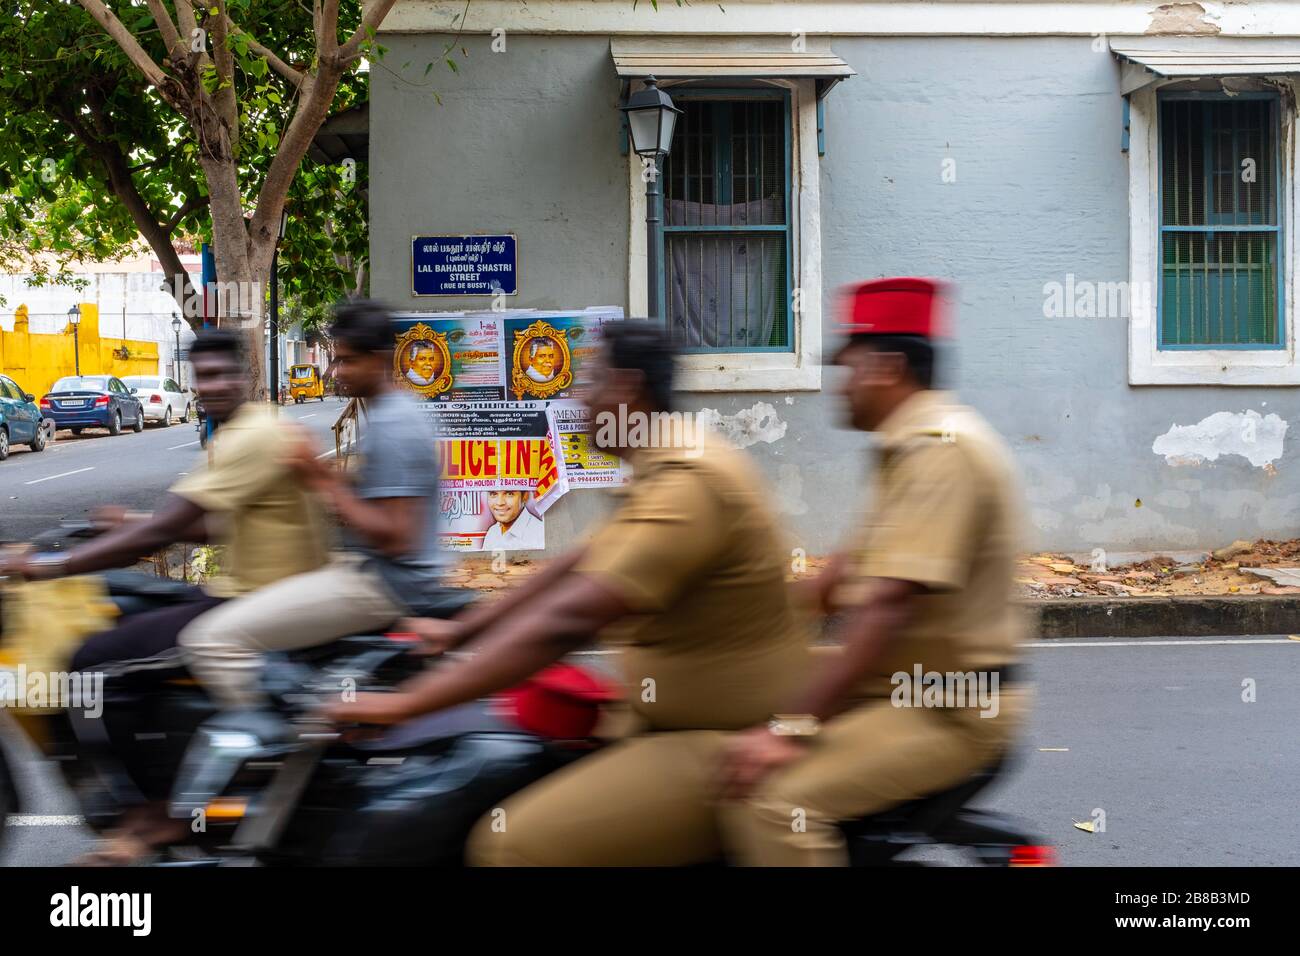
(93, 401)
(21, 422)
(163, 398)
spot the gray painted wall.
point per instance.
(527, 141)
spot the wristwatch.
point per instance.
(54, 565)
(794, 725)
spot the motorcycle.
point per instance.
(201, 422)
(277, 787)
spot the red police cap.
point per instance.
(560, 702)
(898, 306)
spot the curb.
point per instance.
(1214, 616)
(1120, 617)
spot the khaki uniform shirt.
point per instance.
(945, 514)
(270, 526)
(695, 552)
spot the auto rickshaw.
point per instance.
(304, 383)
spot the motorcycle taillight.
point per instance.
(1033, 856)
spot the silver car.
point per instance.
(163, 399)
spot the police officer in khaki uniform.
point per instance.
(923, 693)
(688, 577)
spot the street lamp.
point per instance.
(176, 356)
(651, 118)
(74, 316)
(275, 308)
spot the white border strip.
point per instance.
(1265, 18)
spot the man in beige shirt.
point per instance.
(925, 691)
(245, 499)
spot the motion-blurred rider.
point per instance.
(688, 575)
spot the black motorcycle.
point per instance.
(201, 422)
(279, 787)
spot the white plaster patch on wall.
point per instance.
(1256, 438)
(749, 426)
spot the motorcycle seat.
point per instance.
(926, 815)
(444, 603)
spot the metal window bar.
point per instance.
(727, 261)
(1221, 280)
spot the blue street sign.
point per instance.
(464, 265)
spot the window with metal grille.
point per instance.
(726, 254)
(1220, 234)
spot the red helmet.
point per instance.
(898, 306)
(560, 702)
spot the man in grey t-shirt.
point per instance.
(399, 460)
(390, 564)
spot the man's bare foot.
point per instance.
(118, 848)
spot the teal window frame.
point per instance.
(1211, 226)
(723, 161)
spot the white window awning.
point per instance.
(728, 58)
(1145, 60)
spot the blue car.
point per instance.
(20, 419)
(93, 401)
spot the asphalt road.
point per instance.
(1153, 732)
(76, 474)
(67, 481)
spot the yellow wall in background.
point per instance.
(36, 361)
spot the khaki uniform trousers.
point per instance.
(652, 800)
(864, 761)
(223, 648)
(649, 800)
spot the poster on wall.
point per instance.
(548, 354)
(451, 359)
(500, 446)
(490, 521)
(512, 437)
(585, 465)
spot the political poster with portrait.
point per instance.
(500, 446)
(513, 439)
(490, 521)
(450, 359)
(549, 354)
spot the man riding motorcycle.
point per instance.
(688, 576)
(244, 498)
(925, 692)
(390, 563)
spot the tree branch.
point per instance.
(170, 35)
(193, 204)
(227, 104)
(327, 37)
(116, 29)
(122, 185)
(294, 76)
(370, 22)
